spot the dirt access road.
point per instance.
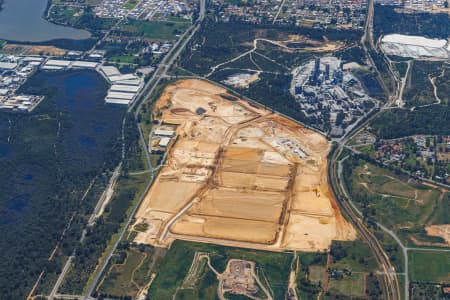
(237, 174)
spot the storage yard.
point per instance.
(237, 174)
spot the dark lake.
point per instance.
(5, 150)
(22, 20)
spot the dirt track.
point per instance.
(239, 174)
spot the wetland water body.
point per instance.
(22, 20)
(48, 158)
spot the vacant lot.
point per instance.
(353, 285)
(239, 175)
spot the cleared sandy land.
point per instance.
(442, 231)
(239, 175)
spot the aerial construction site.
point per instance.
(240, 175)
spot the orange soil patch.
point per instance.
(227, 228)
(442, 231)
(49, 50)
(33, 50)
(239, 175)
(235, 204)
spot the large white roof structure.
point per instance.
(7, 65)
(125, 88)
(414, 46)
(117, 95)
(117, 101)
(413, 40)
(84, 64)
(59, 63)
(109, 70)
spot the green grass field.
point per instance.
(355, 256)
(366, 149)
(129, 59)
(317, 274)
(427, 266)
(155, 30)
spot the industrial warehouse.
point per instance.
(15, 70)
(124, 87)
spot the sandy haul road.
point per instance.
(239, 175)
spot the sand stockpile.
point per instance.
(239, 175)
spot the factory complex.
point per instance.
(15, 70)
(329, 94)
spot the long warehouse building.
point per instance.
(118, 95)
(125, 88)
(117, 101)
(128, 82)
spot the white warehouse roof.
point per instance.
(7, 65)
(33, 58)
(125, 88)
(168, 133)
(115, 78)
(117, 101)
(413, 40)
(117, 95)
(128, 82)
(84, 64)
(60, 63)
(163, 142)
(110, 70)
(51, 68)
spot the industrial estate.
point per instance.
(16, 69)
